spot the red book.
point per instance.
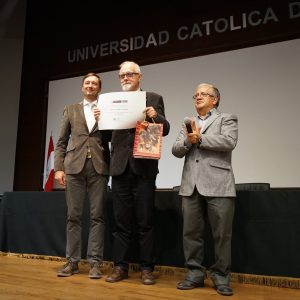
(148, 140)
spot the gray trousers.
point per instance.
(220, 213)
(87, 184)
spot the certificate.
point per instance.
(121, 110)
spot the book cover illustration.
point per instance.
(148, 140)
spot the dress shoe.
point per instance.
(189, 285)
(117, 274)
(224, 289)
(95, 272)
(68, 269)
(147, 277)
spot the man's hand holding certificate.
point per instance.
(121, 110)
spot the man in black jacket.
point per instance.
(133, 185)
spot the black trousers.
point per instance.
(133, 205)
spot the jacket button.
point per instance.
(197, 160)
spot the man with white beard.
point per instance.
(133, 185)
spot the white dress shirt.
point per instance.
(89, 114)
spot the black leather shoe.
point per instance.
(68, 269)
(189, 285)
(117, 274)
(95, 272)
(224, 289)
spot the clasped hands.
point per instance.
(195, 136)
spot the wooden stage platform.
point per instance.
(33, 278)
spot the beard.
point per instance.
(127, 87)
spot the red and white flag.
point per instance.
(49, 174)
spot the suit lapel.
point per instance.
(211, 119)
(82, 116)
(95, 128)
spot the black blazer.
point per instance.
(122, 143)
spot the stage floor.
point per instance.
(32, 278)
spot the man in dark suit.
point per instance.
(81, 165)
(207, 188)
(133, 185)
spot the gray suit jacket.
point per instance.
(74, 140)
(208, 165)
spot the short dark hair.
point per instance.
(92, 74)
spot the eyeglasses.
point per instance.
(128, 75)
(202, 94)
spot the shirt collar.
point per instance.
(88, 103)
(207, 115)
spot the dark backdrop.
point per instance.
(265, 238)
(54, 27)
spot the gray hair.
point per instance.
(215, 91)
(135, 66)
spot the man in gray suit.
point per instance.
(207, 188)
(81, 165)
